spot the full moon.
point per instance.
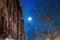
(29, 18)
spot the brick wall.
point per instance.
(11, 12)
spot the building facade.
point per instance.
(10, 24)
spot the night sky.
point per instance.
(32, 10)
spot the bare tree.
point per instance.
(45, 13)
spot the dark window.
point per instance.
(5, 25)
(7, 2)
(2, 26)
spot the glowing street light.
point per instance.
(29, 18)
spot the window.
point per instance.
(2, 26)
(7, 2)
(5, 26)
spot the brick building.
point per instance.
(10, 24)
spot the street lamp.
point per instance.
(29, 18)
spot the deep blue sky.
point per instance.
(27, 5)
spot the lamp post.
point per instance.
(29, 18)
